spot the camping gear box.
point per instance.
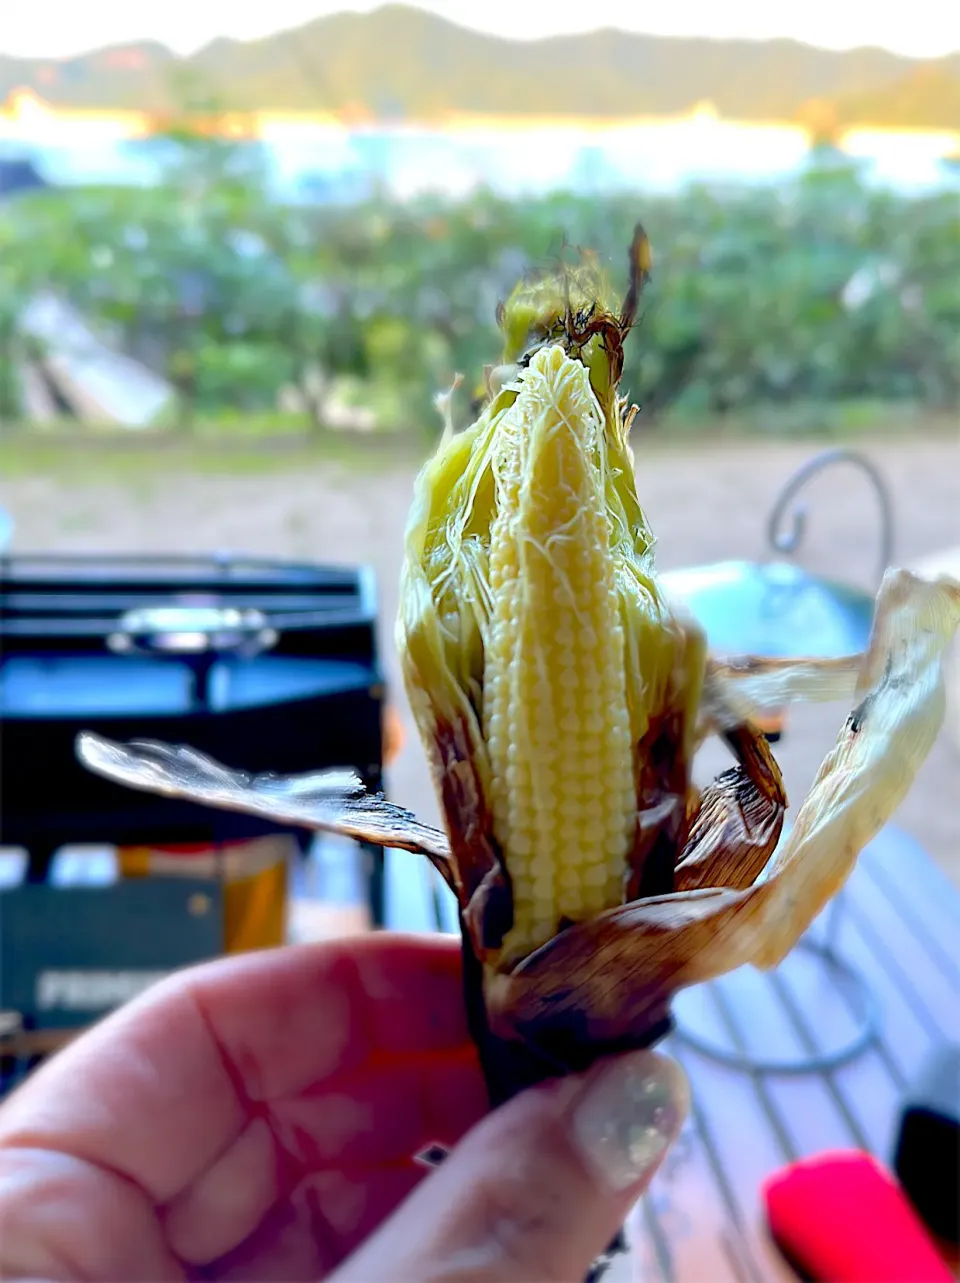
(264, 665)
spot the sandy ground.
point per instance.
(705, 504)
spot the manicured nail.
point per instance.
(628, 1115)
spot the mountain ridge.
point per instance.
(349, 61)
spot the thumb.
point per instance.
(537, 1191)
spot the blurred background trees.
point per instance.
(824, 291)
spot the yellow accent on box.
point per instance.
(254, 876)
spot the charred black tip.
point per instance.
(641, 263)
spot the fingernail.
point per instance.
(628, 1115)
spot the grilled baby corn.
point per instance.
(528, 544)
(560, 700)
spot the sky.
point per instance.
(58, 28)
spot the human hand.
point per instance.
(256, 1118)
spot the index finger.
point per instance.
(158, 1089)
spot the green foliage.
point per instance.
(821, 292)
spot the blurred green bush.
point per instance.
(819, 292)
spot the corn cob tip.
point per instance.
(532, 620)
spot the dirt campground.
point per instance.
(705, 503)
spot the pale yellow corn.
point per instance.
(556, 719)
(533, 633)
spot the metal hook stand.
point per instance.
(789, 542)
(862, 1003)
(860, 998)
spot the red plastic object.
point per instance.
(842, 1218)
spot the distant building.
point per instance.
(591, 172)
(19, 175)
(342, 188)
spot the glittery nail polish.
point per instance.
(628, 1115)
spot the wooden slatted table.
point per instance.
(899, 925)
